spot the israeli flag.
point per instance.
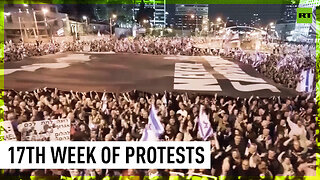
(154, 128)
(204, 125)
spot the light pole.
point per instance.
(20, 28)
(86, 19)
(192, 17)
(113, 16)
(35, 22)
(182, 26)
(219, 21)
(270, 30)
(45, 11)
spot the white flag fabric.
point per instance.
(164, 99)
(104, 107)
(154, 128)
(204, 126)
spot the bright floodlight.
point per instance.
(192, 16)
(84, 17)
(114, 16)
(218, 19)
(44, 10)
(271, 24)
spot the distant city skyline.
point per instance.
(242, 13)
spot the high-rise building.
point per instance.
(306, 31)
(255, 20)
(159, 6)
(192, 17)
(287, 22)
(289, 13)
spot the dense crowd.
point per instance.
(18, 51)
(252, 137)
(144, 45)
(284, 65)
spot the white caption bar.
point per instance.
(104, 155)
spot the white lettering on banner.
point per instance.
(190, 76)
(46, 130)
(233, 72)
(196, 84)
(7, 132)
(256, 87)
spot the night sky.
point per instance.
(241, 12)
(244, 12)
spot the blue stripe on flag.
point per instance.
(307, 81)
(154, 120)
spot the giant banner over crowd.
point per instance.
(238, 78)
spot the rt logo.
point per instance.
(304, 15)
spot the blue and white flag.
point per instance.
(306, 84)
(204, 126)
(154, 128)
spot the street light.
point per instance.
(113, 16)
(145, 21)
(44, 10)
(86, 19)
(271, 24)
(196, 18)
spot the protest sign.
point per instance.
(46, 130)
(7, 132)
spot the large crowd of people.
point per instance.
(283, 65)
(253, 137)
(143, 45)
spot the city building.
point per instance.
(193, 17)
(160, 14)
(306, 32)
(287, 22)
(289, 12)
(255, 21)
(29, 22)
